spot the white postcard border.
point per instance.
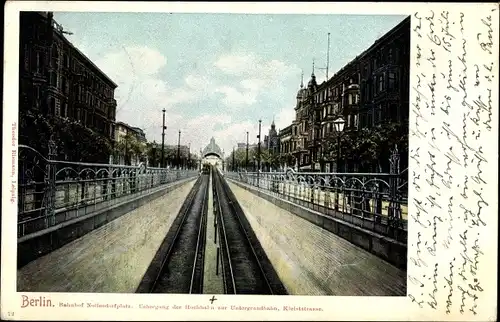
(334, 308)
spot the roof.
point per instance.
(128, 126)
(212, 147)
(367, 51)
(90, 62)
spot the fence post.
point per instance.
(326, 193)
(394, 211)
(50, 179)
(336, 185)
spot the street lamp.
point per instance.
(163, 141)
(179, 151)
(339, 127)
(246, 158)
(258, 155)
(233, 161)
(153, 154)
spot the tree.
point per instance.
(285, 159)
(369, 147)
(74, 141)
(128, 146)
(269, 159)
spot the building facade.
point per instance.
(285, 139)
(271, 141)
(371, 90)
(243, 146)
(57, 79)
(130, 144)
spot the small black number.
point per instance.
(10, 313)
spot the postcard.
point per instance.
(250, 161)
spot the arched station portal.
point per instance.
(212, 154)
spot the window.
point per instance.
(394, 112)
(390, 56)
(356, 99)
(55, 57)
(381, 83)
(52, 106)
(369, 121)
(53, 79)
(65, 60)
(356, 121)
(350, 99)
(38, 66)
(392, 80)
(378, 115)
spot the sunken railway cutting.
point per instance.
(178, 265)
(246, 268)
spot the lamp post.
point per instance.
(339, 127)
(258, 155)
(162, 162)
(233, 161)
(179, 151)
(153, 154)
(246, 158)
(201, 159)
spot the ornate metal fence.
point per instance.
(374, 201)
(52, 191)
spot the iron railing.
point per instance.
(52, 191)
(373, 201)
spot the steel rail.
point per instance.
(199, 257)
(190, 200)
(228, 289)
(235, 212)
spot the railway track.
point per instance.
(245, 266)
(178, 265)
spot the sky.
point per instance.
(216, 75)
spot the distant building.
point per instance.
(59, 80)
(243, 146)
(140, 135)
(123, 155)
(271, 141)
(285, 139)
(183, 150)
